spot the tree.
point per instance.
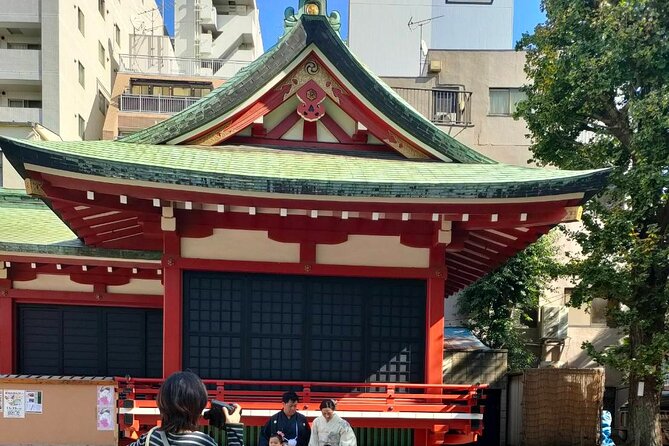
(498, 305)
(599, 97)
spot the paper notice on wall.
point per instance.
(13, 402)
(2, 398)
(105, 418)
(33, 401)
(105, 396)
(105, 408)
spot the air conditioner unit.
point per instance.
(445, 118)
(554, 322)
(434, 66)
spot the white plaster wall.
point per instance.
(138, 286)
(361, 250)
(234, 244)
(52, 282)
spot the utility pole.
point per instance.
(419, 24)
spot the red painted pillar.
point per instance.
(7, 338)
(172, 305)
(434, 330)
(434, 316)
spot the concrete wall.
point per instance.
(69, 409)
(499, 137)
(395, 49)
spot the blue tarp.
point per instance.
(462, 339)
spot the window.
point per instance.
(117, 34)
(181, 91)
(80, 22)
(82, 75)
(101, 8)
(102, 54)
(103, 103)
(24, 103)
(23, 46)
(503, 101)
(598, 311)
(82, 127)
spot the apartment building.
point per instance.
(58, 61)
(218, 29)
(405, 30)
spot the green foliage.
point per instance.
(500, 305)
(599, 97)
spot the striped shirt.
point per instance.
(234, 432)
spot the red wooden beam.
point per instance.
(301, 269)
(281, 128)
(91, 261)
(336, 130)
(218, 133)
(47, 297)
(356, 146)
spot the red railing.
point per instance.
(436, 407)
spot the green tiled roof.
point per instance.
(256, 169)
(28, 226)
(311, 30)
(24, 219)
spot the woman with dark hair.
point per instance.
(181, 400)
(329, 429)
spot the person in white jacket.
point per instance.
(330, 429)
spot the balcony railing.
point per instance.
(400, 405)
(180, 66)
(21, 65)
(155, 104)
(18, 114)
(441, 106)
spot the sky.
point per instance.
(527, 15)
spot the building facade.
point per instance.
(406, 29)
(58, 61)
(216, 29)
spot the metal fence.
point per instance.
(155, 104)
(441, 106)
(180, 66)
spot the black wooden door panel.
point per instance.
(89, 341)
(281, 327)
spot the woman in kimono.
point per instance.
(330, 429)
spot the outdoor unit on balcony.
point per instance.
(554, 321)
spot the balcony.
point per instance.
(155, 104)
(441, 106)
(25, 11)
(180, 66)
(20, 65)
(16, 114)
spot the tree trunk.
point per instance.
(644, 411)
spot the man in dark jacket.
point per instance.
(292, 425)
